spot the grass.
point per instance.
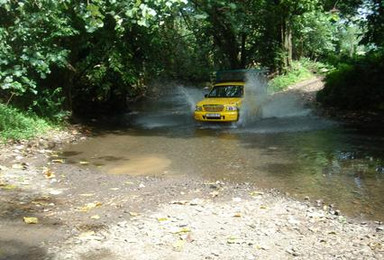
(18, 125)
(301, 70)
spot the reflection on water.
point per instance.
(304, 156)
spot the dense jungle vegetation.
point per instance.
(87, 57)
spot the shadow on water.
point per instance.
(298, 152)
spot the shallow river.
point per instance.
(289, 149)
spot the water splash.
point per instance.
(255, 95)
(173, 108)
(284, 105)
(190, 95)
(259, 104)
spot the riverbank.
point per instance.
(83, 213)
(306, 91)
(62, 209)
(249, 225)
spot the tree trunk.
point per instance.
(243, 54)
(286, 41)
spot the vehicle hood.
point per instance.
(220, 101)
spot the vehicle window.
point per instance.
(226, 91)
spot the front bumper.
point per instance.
(227, 116)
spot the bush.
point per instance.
(17, 125)
(358, 85)
(297, 73)
(301, 70)
(49, 104)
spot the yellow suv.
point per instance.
(222, 103)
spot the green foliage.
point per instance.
(29, 36)
(375, 24)
(300, 71)
(17, 125)
(357, 85)
(100, 50)
(317, 67)
(50, 105)
(314, 34)
(90, 56)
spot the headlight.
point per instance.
(198, 108)
(231, 108)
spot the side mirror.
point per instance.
(206, 95)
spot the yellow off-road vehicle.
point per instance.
(223, 102)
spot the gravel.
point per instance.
(266, 226)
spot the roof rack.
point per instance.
(239, 75)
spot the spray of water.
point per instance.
(258, 103)
(191, 96)
(255, 95)
(284, 105)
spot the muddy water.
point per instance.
(300, 154)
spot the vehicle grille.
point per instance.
(213, 108)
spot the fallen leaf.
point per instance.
(214, 194)
(133, 214)
(114, 189)
(87, 194)
(95, 217)
(375, 246)
(162, 219)
(90, 206)
(263, 207)
(84, 162)
(49, 174)
(55, 192)
(129, 183)
(189, 238)
(179, 245)
(58, 161)
(31, 220)
(179, 202)
(181, 230)
(87, 234)
(17, 166)
(232, 240)
(260, 247)
(7, 186)
(256, 193)
(237, 215)
(196, 202)
(42, 202)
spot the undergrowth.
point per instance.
(17, 125)
(301, 70)
(356, 85)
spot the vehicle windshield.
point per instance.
(229, 91)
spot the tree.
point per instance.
(375, 25)
(30, 37)
(286, 11)
(315, 35)
(99, 49)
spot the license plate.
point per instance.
(213, 115)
